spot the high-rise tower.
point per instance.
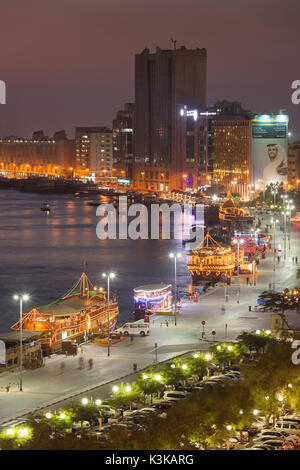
(163, 81)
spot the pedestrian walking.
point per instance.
(81, 363)
(247, 280)
(131, 338)
(293, 260)
(296, 259)
(90, 363)
(278, 259)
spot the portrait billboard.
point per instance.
(269, 149)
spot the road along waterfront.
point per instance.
(51, 383)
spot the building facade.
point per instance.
(163, 81)
(232, 153)
(94, 152)
(193, 147)
(294, 164)
(40, 155)
(123, 142)
(32, 356)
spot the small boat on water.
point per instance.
(46, 207)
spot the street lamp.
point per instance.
(284, 213)
(274, 222)
(274, 192)
(108, 276)
(238, 241)
(290, 207)
(21, 298)
(175, 256)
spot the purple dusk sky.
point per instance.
(71, 62)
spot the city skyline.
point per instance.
(79, 81)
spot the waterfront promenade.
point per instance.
(51, 383)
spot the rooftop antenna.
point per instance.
(174, 41)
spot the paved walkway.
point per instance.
(51, 383)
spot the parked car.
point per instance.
(261, 447)
(108, 410)
(267, 437)
(274, 442)
(286, 446)
(270, 432)
(233, 376)
(195, 389)
(163, 406)
(294, 439)
(84, 424)
(148, 410)
(288, 427)
(292, 418)
(174, 395)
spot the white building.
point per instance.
(94, 152)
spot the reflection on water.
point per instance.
(43, 255)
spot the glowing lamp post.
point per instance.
(238, 241)
(175, 256)
(275, 221)
(21, 298)
(108, 277)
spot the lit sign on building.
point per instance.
(123, 181)
(195, 113)
(269, 149)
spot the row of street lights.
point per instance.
(109, 277)
(21, 298)
(24, 297)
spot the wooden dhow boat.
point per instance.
(211, 261)
(83, 310)
(230, 212)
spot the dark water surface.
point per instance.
(44, 255)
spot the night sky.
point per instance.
(68, 63)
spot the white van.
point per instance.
(141, 329)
